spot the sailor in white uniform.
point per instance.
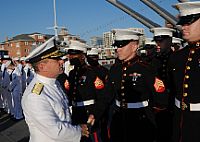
(16, 90)
(6, 93)
(44, 104)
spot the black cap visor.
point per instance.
(189, 19)
(160, 38)
(74, 52)
(121, 43)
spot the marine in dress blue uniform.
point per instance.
(185, 69)
(92, 60)
(86, 90)
(163, 38)
(132, 86)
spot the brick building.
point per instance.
(22, 45)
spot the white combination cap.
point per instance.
(149, 41)
(176, 40)
(76, 45)
(160, 31)
(49, 50)
(189, 12)
(93, 51)
(188, 8)
(126, 34)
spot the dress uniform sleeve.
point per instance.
(171, 85)
(15, 81)
(100, 104)
(159, 92)
(110, 90)
(44, 118)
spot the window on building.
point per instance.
(40, 37)
(26, 43)
(26, 50)
(34, 43)
(17, 44)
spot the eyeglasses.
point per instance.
(121, 43)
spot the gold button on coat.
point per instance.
(192, 51)
(185, 85)
(187, 76)
(188, 67)
(185, 94)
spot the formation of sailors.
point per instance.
(15, 75)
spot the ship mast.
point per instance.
(55, 27)
(55, 19)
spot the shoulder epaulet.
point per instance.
(37, 89)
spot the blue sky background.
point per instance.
(81, 17)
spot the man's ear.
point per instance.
(41, 66)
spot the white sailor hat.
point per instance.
(189, 12)
(22, 58)
(47, 50)
(76, 47)
(93, 51)
(123, 36)
(149, 41)
(16, 59)
(176, 40)
(64, 57)
(162, 31)
(5, 57)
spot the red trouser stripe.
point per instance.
(95, 137)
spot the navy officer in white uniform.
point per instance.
(44, 104)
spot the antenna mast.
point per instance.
(55, 27)
(55, 19)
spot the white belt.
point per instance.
(84, 103)
(193, 107)
(134, 105)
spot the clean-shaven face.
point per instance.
(128, 51)
(191, 32)
(53, 67)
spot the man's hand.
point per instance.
(84, 130)
(91, 120)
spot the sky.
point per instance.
(85, 18)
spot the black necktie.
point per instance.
(4, 71)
